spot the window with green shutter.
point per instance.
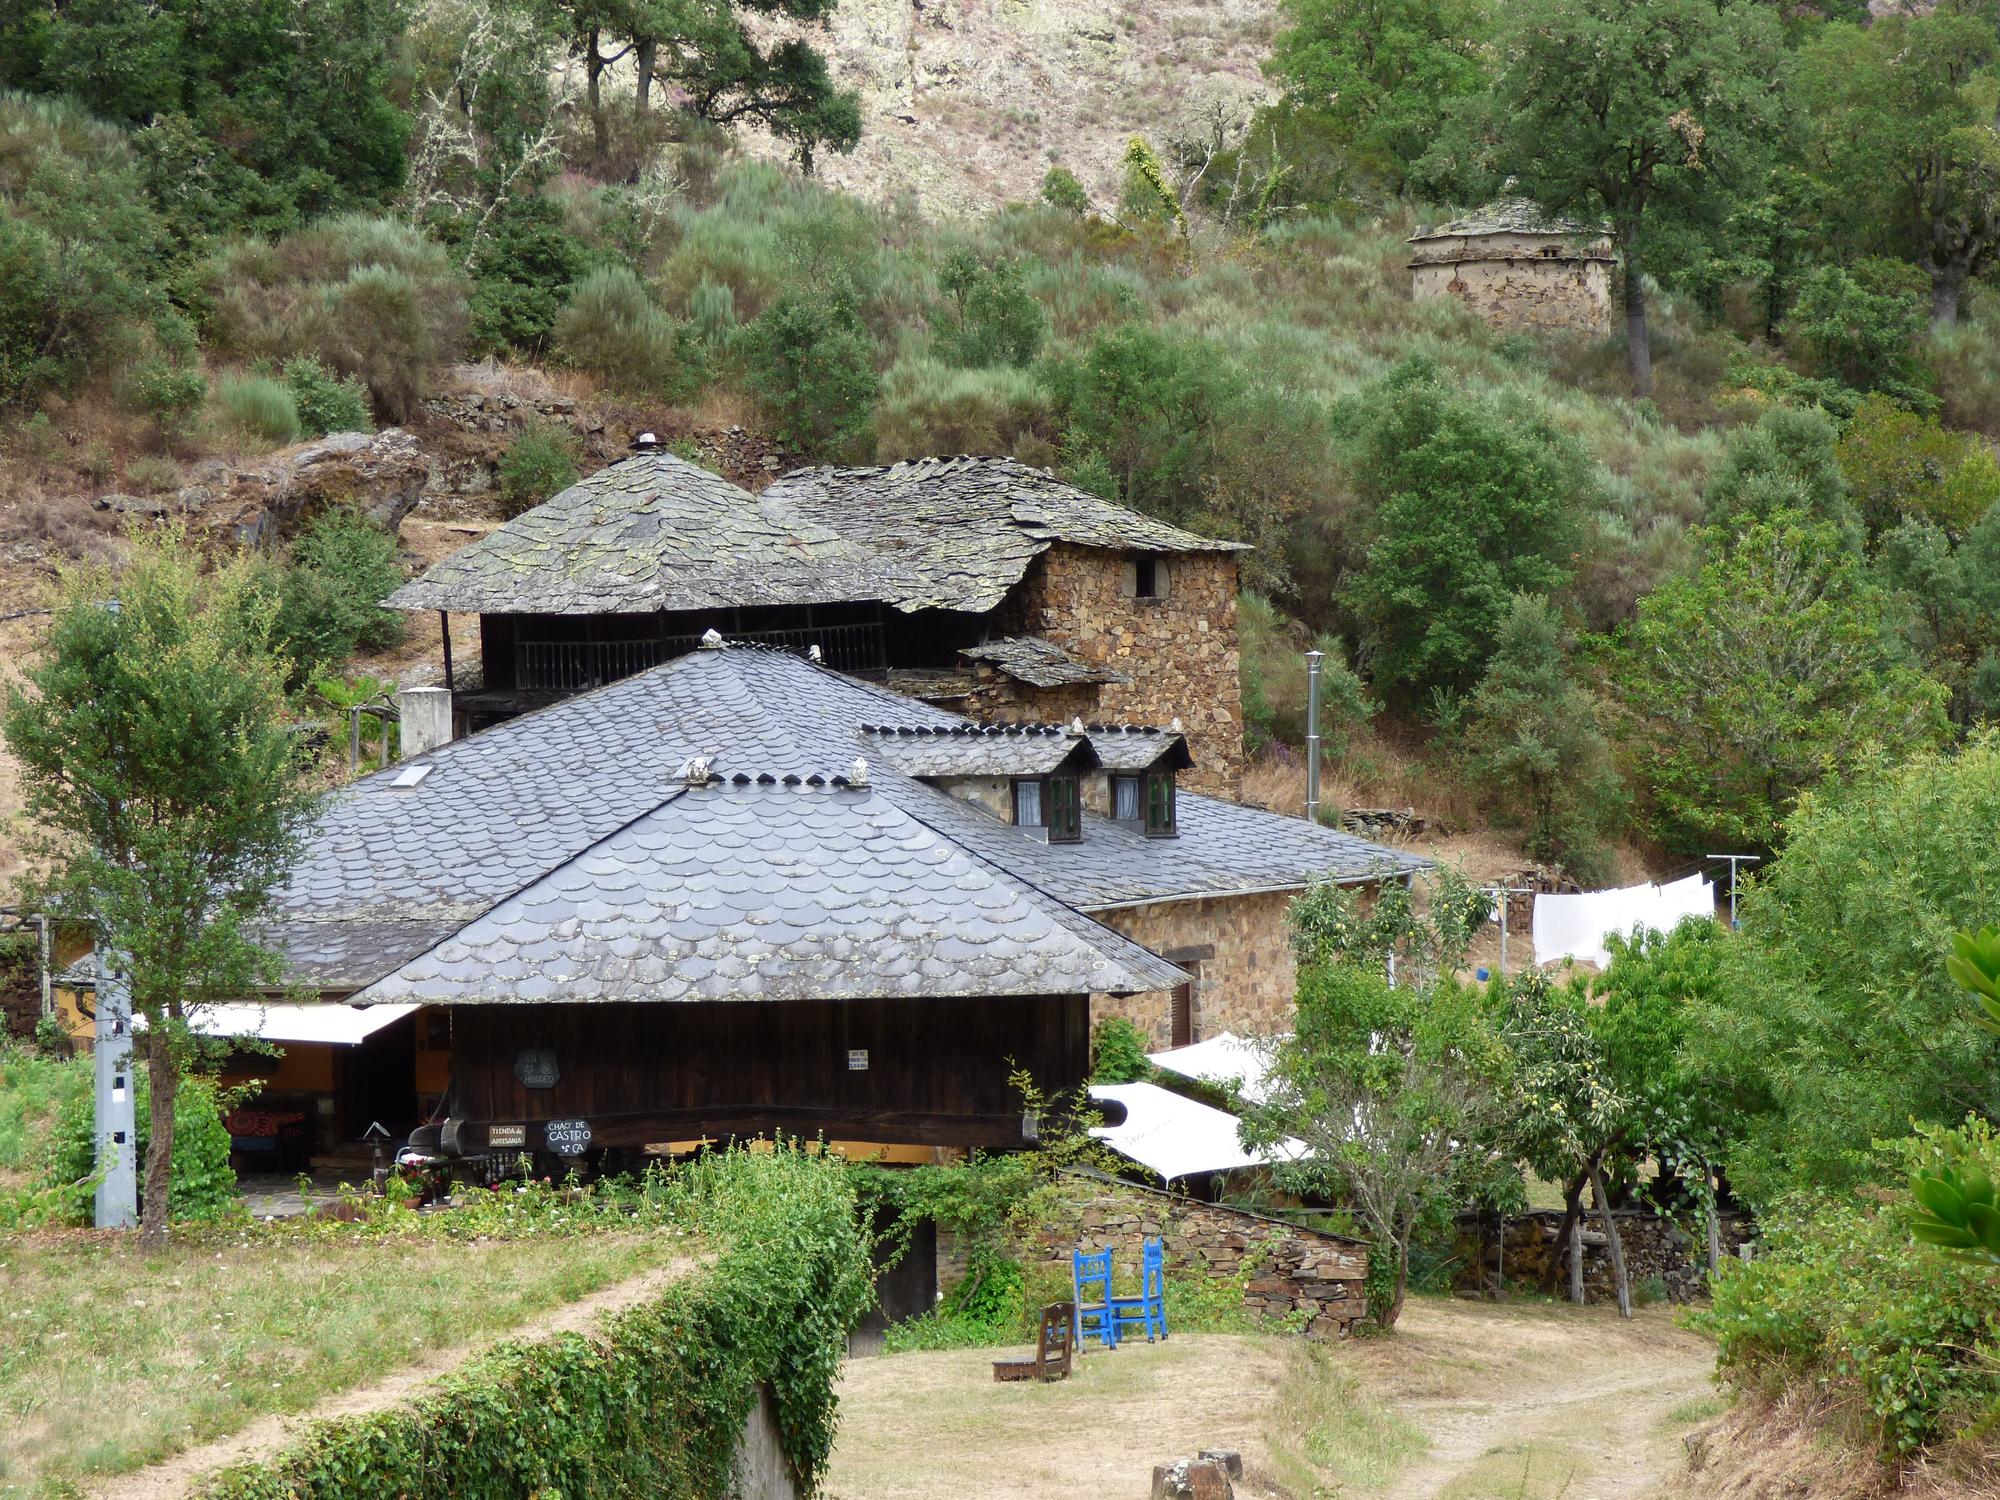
(1065, 810)
(1160, 804)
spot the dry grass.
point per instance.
(110, 1360)
(1765, 1450)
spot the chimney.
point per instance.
(425, 716)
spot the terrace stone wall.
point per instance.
(1655, 1246)
(1178, 651)
(1294, 1271)
(1239, 951)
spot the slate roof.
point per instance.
(1509, 216)
(967, 527)
(650, 532)
(1039, 663)
(565, 849)
(978, 750)
(1135, 747)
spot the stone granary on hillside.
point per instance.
(741, 892)
(1518, 269)
(974, 582)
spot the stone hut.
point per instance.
(1518, 269)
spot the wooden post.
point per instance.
(444, 624)
(1714, 1223)
(1617, 1245)
(1576, 1264)
(1500, 1264)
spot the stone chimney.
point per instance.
(425, 716)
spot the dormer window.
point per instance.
(1051, 802)
(1160, 805)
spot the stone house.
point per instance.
(977, 583)
(1518, 269)
(741, 892)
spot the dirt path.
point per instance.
(1539, 1402)
(1468, 1401)
(267, 1435)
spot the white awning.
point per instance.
(327, 1021)
(1178, 1137)
(1223, 1059)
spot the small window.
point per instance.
(1065, 811)
(1146, 577)
(1159, 804)
(1028, 804)
(1125, 799)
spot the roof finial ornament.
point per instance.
(813, 653)
(1076, 725)
(697, 770)
(711, 639)
(1176, 725)
(646, 442)
(857, 774)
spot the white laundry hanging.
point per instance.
(1576, 926)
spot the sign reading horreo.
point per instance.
(567, 1137)
(536, 1068)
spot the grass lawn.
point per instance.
(110, 1359)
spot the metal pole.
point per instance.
(45, 954)
(1500, 895)
(1313, 661)
(117, 1202)
(1734, 861)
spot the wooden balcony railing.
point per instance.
(576, 666)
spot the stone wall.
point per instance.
(1179, 651)
(1654, 1246)
(1293, 1270)
(1529, 283)
(1246, 983)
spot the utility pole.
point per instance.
(1500, 893)
(1734, 861)
(117, 1201)
(1313, 661)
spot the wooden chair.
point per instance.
(1090, 1282)
(1149, 1308)
(1052, 1348)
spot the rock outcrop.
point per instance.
(380, 474)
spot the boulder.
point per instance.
(380, 474)
(132, 505)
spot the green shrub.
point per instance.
(654, 1403)
(204, 1185)
(1272, 670)
(1861, 325)
(371, 298)
(539, 462)
(1061, 190)
(612, 327)
(170, 393)
(928, 408)
(524, 263)
(329, 595)
(1841, 1303)
(811, 364)
(326, 402)
(1901, 464)
(988, 316)
(1118, 1052)
(260, 406)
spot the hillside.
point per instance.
(966, 103)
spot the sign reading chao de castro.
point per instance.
(567, 1137)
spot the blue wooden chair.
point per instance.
(1149, 1308)
(1090, 1280)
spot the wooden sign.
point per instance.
(857, 1059)
(501, 1136)
(567, 1137)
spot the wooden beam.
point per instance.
(749, 1121)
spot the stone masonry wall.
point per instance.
(1178, 650)
(1248, 985)
(1654, 1246)
(1521, 291)
(1294, 1270)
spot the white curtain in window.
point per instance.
(1028, 804)
(1125, 798)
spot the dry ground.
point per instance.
(1467, 1401)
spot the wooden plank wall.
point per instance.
(936, 1075)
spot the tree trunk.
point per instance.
(648, 51)
(1395, 1307)
(1948, 280)
(1576, 1265)
(1714, 1225)
(1638, 339)
(593, 71)
(165, 1076)
(1572, 1210)
(1597, 1191)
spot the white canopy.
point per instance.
(1178, 1137)
(1576, 926)
(327, 1021)
(1224, 1058)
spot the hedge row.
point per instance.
(654, 1404)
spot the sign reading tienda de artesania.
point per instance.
(568, 1137)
